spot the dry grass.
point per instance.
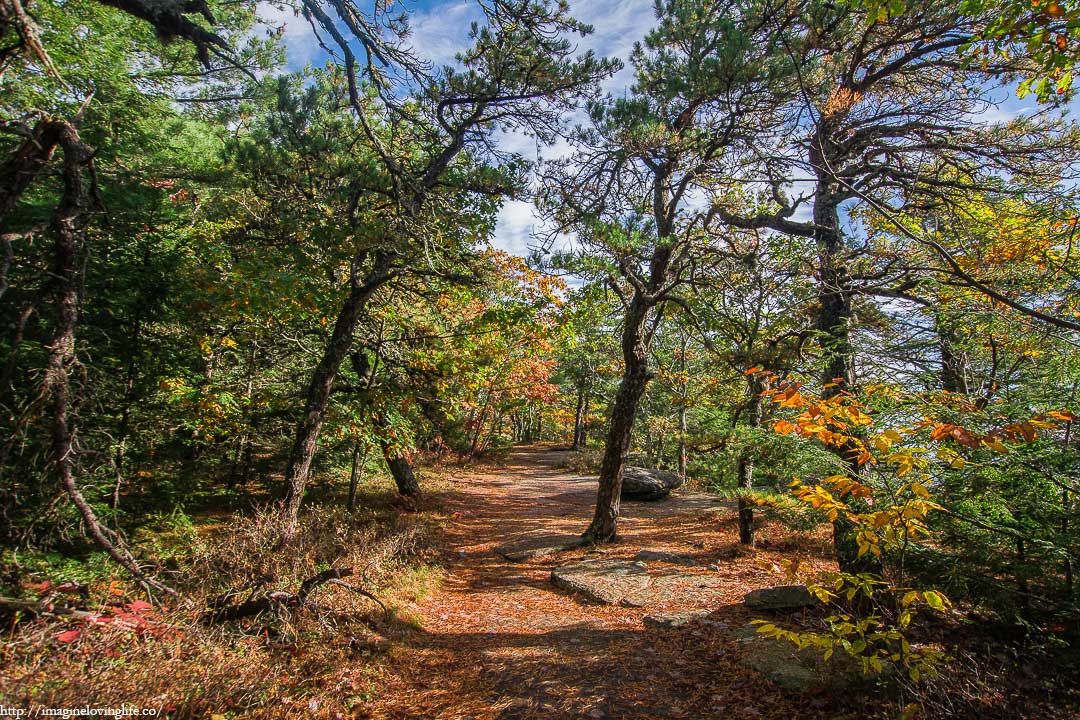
(318, 661)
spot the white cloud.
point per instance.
(301, 45)
(440, 33)
(514, 227)
(617, 25)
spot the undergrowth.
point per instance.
(320, 660)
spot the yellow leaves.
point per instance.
(841, 101)
(904, 462)
(207, 345)
(950, 457)
(868, 542)
(846, 485)
(885, 440)
(174, 385)
(936, 600)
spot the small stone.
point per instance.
(673, 619)
(665, 557)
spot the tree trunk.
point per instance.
(27, 163)
(317, 397)
(835, 293)
(396, 461)
(68, 228)
(1066, 511)
(953, 367)
(603, 527)
(354, 475)
(585, 422)
(682, 407)
(682, 441)
(746, 461)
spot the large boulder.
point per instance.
(783, 597)
(674, 619)
(643, 484)
(806, 670)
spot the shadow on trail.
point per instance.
(499, 641)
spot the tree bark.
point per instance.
(746, 461)
(682, 407)
(68, 229)
(354, 475)
(682, 440)
(835, 293)
(27, 163)
(317, 397)
(953, 367)
(603, 527)
(398, 464)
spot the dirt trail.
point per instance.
(499, 641)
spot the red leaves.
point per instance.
(134, 617)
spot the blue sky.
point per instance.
(440, 30)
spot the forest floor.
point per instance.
(498, 640)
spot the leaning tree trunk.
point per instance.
(624, 411)
(317, 397)
(746, 462)
(29, 160)
(68, 229)
(835, 294)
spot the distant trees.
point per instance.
(429, 159)
(236, 228)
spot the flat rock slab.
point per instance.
(602, 581)
(703, 590)
(527, 548)
(783, 597)
(629, 583)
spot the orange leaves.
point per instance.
(1014, 432)
(783, 427)
(1062, 415)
